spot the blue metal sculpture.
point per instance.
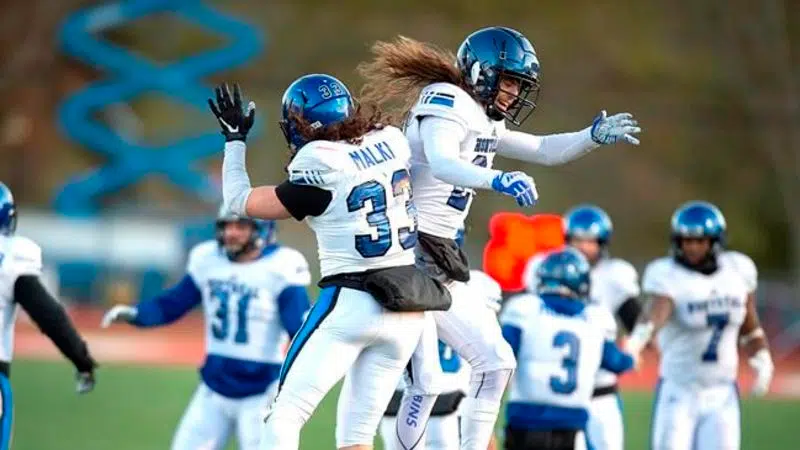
(128, 162)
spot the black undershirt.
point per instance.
(302, 201)
(54, 322)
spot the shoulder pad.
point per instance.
(201, 254)
(293, 266)
(599, 315)
(744, 265)
(625, 277)
(518, 309)
(398, 140)
(25, 257)
(656, 277)
(318, 163)
(449, 101)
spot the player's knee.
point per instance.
(505, 354)
(500, 356)
(489, 385)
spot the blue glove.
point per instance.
(518, 185)
(610, 130)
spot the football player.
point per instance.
(21, 284)
(614, 286)
(349, 180)
(702, 309)
(253, 294)
(559, 348)
(456, 125)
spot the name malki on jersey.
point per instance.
(367, 157)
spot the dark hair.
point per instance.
(351, 130)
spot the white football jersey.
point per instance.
(613, 281)
(240, 300)
(18, 256)
(559, 355)
(443, 207)
(699, 343)
(370, 222)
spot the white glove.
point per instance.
(85, 382)
(118, 313)
(638, 338)
(610, 130)
(761, 362)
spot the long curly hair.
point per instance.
(402, 68)
(365, 118)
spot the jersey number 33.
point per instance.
(373, 246)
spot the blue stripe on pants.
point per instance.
(655, 409)
(7, 417)
(322, 307)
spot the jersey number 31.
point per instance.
(372, 190)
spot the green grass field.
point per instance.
(137, 408)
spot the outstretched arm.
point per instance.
(441, 139)
(549, 150)
(442, 142)
(169, 306)
(555, 149)
(239, 197)
(54, 322)
(653, 319)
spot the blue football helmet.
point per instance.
(8, 211)
(490, 54)
(320, 99)
(698, 219)
(588, 222)
(263, 233)
(566, 273)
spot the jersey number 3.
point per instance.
(374, 191)
(567, 385)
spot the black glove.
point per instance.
(234, 121)
(85, 381)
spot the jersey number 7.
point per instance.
(717, 322)
(372, 190)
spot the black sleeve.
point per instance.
(302, 200)
(54, 322)
(629, 312)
